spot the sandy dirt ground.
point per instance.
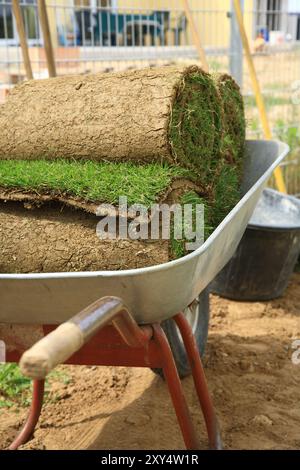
(254, 384)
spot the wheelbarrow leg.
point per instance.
(175, 389)
(205, 401)
(33, 417)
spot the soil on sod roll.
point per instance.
(45, 236)
(55, 238)
(193, 150)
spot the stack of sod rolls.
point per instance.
(71, 143)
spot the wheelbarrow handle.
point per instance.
(59, 345)
(53, 349)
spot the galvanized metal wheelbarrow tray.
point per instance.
(151, 294)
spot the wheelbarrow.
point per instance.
(128, 311)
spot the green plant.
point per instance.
(288, 134)
(215, 66)
(270, 101)
(13, 386)
(254, 125)
(15, 389)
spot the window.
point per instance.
(260, 14)
(274, 14)
(91, 3)
(30, 17)
(8, 31)
(91, 20)
(269, 16)
(6, 20)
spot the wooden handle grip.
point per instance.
(52, 350)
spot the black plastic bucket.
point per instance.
(267, 255)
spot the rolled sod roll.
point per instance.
(48, 232)
(167, 114)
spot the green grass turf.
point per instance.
(226, 195)
(195, 130)
(234, 124)
(101, 182)
(191, 197)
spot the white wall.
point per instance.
(294, 6)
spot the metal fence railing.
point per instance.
(103, 35)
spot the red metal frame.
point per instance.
(205, 400)
(33, 417)
(126, 344)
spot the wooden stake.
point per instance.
(22, 36)
(47, 38)
(196, 36)
(257, 90)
